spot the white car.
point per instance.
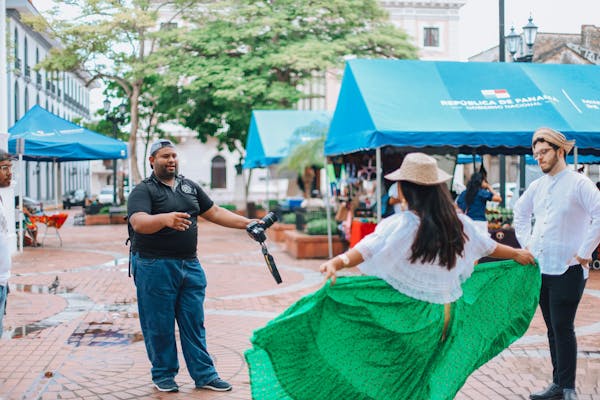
(106, 195)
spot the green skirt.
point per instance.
(362, 339)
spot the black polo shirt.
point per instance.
(152, 196)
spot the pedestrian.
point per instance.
(5, 260)
(394, 199)
(418, 325)
(473, 200)
(566, 208)
(170, 281)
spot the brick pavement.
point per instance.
(84, 341)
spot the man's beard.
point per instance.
(164, 174)
(550, 165)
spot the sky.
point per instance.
(478, 26)
(479, 19)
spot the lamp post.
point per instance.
(115, 119)
(523, 44)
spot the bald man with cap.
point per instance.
(566, 208)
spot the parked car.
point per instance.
(74, 198)
(106, 195)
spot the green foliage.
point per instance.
(289, 218)
(104, 210)
(116, 42)
(247, 54)
(319, 227)
(230, 207)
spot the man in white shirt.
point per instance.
(5, 177)
(566, 207)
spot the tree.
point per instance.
(249, 54)
(114, 41)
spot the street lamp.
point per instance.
(522, 43)
(115, 119)
(516, 42)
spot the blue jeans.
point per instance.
(170, 290)
(3, 294)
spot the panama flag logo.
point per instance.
(495, 94)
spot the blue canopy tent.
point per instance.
(51, 138)
(273, 133)
(457, 107)
(589, 159)
(490, 108)
(47, 137)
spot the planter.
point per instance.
(118, 219)
(301, 245)
(260, 213)
(97, 219)
(105, 219)
(276, 232)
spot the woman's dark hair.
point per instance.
(473, 186)
(440, 237)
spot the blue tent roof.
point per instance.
(589, 159)
(273, 132)
(489, 108)
(51, 138)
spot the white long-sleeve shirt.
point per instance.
(566, 208)
(386, 253)
(4, 248)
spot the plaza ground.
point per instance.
(83, 340)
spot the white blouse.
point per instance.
(387, 251)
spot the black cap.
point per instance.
(159, 144)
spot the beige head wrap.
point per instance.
(554, 137)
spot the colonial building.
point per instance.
(64, 94)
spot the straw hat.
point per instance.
(419, 168)
(551, 136)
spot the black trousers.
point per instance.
(559, 298)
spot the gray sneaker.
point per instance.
(167, 385)
(218, 385)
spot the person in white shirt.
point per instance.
(395, 200)
(566, 207)
(5, 261)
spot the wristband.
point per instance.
(345, 259)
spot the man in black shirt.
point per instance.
(170, 282)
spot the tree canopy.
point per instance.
(247, 54)
(208, 64)
(114, 41)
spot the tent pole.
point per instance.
(328, 211)
(56, 182)
(21, 193)
(267, 191)
(378, 184)
(575, 157)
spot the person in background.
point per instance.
(5, 260)
(472, 201)
(170, 281)
(394, 199)
(566, 207)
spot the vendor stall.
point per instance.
(455, 107)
